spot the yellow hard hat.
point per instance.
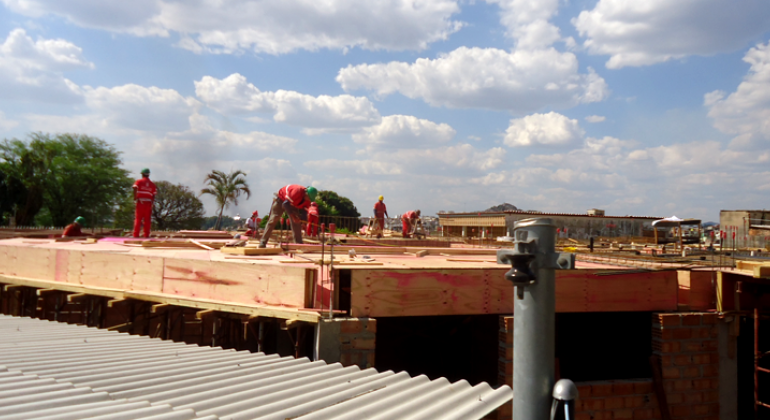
(381, 197)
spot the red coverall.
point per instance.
(379, 214)
(406, 223)
(72, 229)
(145, 194)
(312, 220)
(294, 197)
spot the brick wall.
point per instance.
(357, 342)
(350, 341)
(687, 346)
(623, 399)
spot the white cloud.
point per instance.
(595, 118)
(638, 33)
(141, 108)
(522, 81)
(32, 70)
(268, 26)
(746, 112)
(527, 21)
(235, 95)
(405, 131)
(551, 129)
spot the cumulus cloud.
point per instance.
(595, 118)
(405, 131)
(32, 70)
(551, 129)
(527, 21)
(235, 95)
(636, 33)
(267, 26)
(142, 108)
(746, 112)
(521, 81)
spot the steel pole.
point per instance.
(534, 325)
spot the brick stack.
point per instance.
(624, 399)
(357, 342)
(687, 346)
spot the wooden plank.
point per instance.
(220, 306)
(35, 263)
(43, 284)
(233, 282)
(193, 241)
(250, 251)
(762, 272)
(702, 290)
(386, 292)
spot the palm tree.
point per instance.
(226, 188)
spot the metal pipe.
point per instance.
(533, 261)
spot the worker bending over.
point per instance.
(408, 222)
(73, 229)
(291, 199)
(144, 194)
(252, 225)
(380, 212)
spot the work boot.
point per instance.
(262, 245)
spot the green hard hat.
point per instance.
(80, 220)
(145, 171)
(312, 192)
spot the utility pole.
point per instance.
(534, 261)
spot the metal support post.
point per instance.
(534, 261)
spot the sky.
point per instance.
(647, 107)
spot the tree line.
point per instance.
(50, 180)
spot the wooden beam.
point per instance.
(288, 324)
(74, 297)
(762, 272)
(113, 302)
(65, 287)
(251, 251)
(204, 313)
(160, 307)
(257, 310)
(462, 291)
(9, 287)
(200, 245)
(41, 292)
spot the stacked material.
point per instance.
(50, 370)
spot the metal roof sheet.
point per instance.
(56, 371)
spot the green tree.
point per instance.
(176, 208)
(332, 204)
(226, 188)
(68, 175)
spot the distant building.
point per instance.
(577, 226)
(751, 227)
(595, 212)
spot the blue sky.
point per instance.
(641, 108)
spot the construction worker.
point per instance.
(73, 229)
(291, 199)
(312, 219)
(380, 212)
(408, 221)
(144, 194)
(252, 224)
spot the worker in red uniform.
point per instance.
(73, 229)
(380, 212)
(292, 199)
(408, 221)
(252, 224)
(312, 219)
(144, 194)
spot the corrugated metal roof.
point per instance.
(50, 370)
